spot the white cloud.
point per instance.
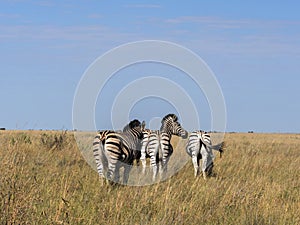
(46, 3)
(9, 16)
(243, 37)
(218, 22)
(95, 16)
(45, 32)
(208, 34)
(210, 21)
(143, 6)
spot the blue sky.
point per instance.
(252, 47)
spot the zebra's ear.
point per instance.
(175, 118)
(143, 125)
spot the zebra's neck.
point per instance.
(132, 137)
(166, 128)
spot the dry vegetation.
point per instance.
(44, 179)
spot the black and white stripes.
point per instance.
(157, 144)
(113, 150)
(199, 147)
(98, 146)
(117, 149)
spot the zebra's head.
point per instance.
(170, 125)
(134, 127)
(133, 124)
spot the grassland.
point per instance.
(44, 179)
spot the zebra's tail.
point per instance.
(219, 147)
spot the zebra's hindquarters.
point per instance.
(98, 151)
(199, 147)
(166, 150)
(207, 160)
(152, 149)
(120, 151)
(193, 150)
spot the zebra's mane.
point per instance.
(170, 115)
(202, 131)
(131, 125)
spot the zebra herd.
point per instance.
(112, 149)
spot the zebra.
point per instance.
(199, 147)
(117, 148)
(156, 145)
(150, 142)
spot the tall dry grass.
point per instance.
(44, 179)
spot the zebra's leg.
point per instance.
(153, 160)
(116, 177)
(137, 155)
(164, 167)
(209, 169)
(104, 167)
(206, 161)
(100, 169)
(104, 164)
(127, 168)
(196, 156)
(195, 163)
(112, 166)
(138, 162)
(210, 163)
(143, 157)
(97, 151)
(153, 164)
(167, 152)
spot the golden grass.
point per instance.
(44, 179)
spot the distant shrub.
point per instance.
(53, 141)
(20, 138)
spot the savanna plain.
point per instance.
(45, 179)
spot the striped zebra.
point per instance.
(199, 147)
(150, 148)
(156, 145)
(116, 149)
